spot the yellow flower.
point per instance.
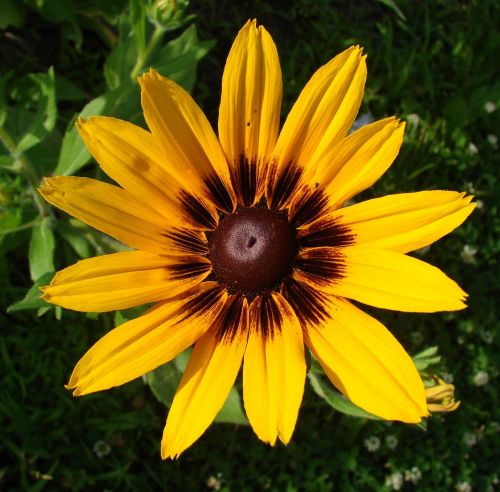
(441, 396)
(242, 243)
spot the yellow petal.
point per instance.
(407, 221)
(274, 369)
(249, 113)
(382, 278)
(130, 156)
(114, 211)
(360, 159)
(140, 345)
(207, 380)
(321, 117)
(187, 140)
(123, 280)
(367, 364)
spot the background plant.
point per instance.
(431, 63)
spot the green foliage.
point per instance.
(30, 112)
(431, 63)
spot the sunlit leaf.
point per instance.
(137, 18)
(120, 63)
(45, 118)
(178, 58)
(232, 410)
(120, 103)
(41, 250)
(426, 358)
(32, 298)
(76, 238)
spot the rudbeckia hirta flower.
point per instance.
(243, 246)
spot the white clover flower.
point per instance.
(413, 475)
(468, 254)
(469, 186)
(391, 441)
(490, 106)
(495, 426)
(463, 487)
(492, 140)
(472, 149)
(481, 378)
(101, 449)
(394, 481)
(447, 377)
(372, 443)
(470, 439)
(214, 482)
(413, 119)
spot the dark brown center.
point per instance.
(252, 250)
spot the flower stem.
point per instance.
(144, 56)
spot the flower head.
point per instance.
(481, 378)
(242, 243)
(441, 396)
(372, 443)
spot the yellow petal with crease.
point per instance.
(360, 160)
(206, 382)
(249, 113)
(114, 211)
(321, 117)
(274, 369)
(142, 344)
(407, 221)
(366, 363)
(386, 279)
(186, 139)
(130, 156)
(123, 280)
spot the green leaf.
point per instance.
(7, 162)
(45, 119)
(76, 238)
(325, 390)
(232, 410)
(120, 63)
(41, 250)
(12, 13)
(127, 314)
(426, 358)
(74, 154)
(164, 380)
(3, 105)
(67, 90)
(137, 19)
(392, 5)
(179, 58)
(32, 298)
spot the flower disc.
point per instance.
(252, 250)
